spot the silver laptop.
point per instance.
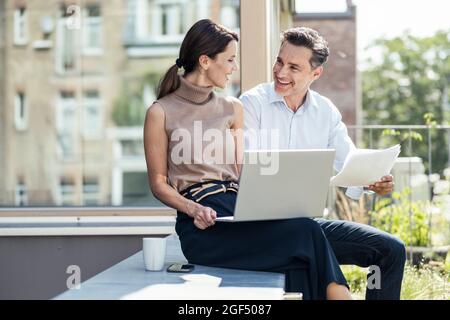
(297, 186)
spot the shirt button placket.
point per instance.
(292, 133)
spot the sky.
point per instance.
(389, 18)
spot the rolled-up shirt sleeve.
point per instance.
(343, 144)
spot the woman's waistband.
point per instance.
(199, 191)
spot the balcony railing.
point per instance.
(425, 153)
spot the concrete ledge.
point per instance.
(129, 280)
(86, 211)
(85, 231)
(36, 267)
(82, 226)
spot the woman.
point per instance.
(201, 189)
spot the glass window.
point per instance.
(90, 111)
(229, 14)
(92, 35)
(172, 19)
(67, 192)
(91, 191)
(135, 190)
(66, 123)
(92, 120)
(21, 198)
(20, 26)
(159, 20)
(66, 47)
(20, 111)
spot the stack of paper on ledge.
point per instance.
(365, 166)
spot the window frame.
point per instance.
(62, 131)
(97, 103)
(20, 111)
(67, 192)
(89, 25)
(233, 10)
(88, 195)
(61, 28)
(21, 195)
(20, 26)
(148, 25)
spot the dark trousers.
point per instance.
(364, 246)
(295, 247)
(350, 243)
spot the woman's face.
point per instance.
(223, 65)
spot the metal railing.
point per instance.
(358, 132)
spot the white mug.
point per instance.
(154, 251)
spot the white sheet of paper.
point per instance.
(366, 166)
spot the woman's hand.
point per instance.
(204, 217)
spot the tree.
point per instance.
(129, 107)
(411, 79)
(129, 111)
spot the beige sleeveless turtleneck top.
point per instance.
(201, 145)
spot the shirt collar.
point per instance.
(310, 100)
(275, 97)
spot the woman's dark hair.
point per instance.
(204, 38)
(309, 38)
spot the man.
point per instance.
(304, 119)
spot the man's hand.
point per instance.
(383, 187)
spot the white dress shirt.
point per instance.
(271, 124)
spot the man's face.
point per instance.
(292, 72)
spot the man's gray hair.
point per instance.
(311, 39)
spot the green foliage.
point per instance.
(390, 133)
(415, 136)
(429, 119)
(447, 264)
(357, 279)
(406, 87)
(405, 136)
(393, 216)
(440, 222)
(423, 283)
(129, 110)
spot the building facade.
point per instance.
(340, 81)
(76, 79)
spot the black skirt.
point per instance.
(296, 247)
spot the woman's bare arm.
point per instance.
(156, 151)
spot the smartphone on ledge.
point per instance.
(180, 267)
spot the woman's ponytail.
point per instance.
(169, 83)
